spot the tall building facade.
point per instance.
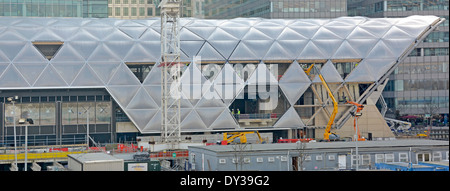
(140, 9)
(218, 9)
(54, 8)
(420, 85)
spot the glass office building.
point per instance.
(140, 9)
(54, 8)
(420, 85)
(275, 8)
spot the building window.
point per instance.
(319, 157)
(435, 51)
(403, 157)
(259, 159)
(141, 11)
(125, 11)
(331, 157)
(246, 160)
(389, 158)
(117, 11)
(379, 158)
(150, 11)
(423, 157)
(437, 156)
(365, 160)
(222, 161)
(133, 11)
(355, 160)
(271, 159)
(416, 52)
(307, 157)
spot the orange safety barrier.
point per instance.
(294, 140)
(169, 154)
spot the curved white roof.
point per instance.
(94, 53)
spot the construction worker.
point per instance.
(238, 113)
(232, 111)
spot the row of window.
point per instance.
(130, 11)
(422, 102)
(417, 85)
(73, 113)
(422, 68)
(364, 159)
(437, 36)
(294, 6)
(36, 99)
(430, 51)
(130, 1)
(45, 8)
(416, 5)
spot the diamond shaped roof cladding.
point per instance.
(290, 119)
(329, 73)
(294, 82)
(93, 55)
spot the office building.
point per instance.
(274, 9)
(141, 9)
(54, 8)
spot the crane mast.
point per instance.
(171, 71)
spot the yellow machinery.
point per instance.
(328, 135)
(230, 137)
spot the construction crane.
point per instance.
(328, 135)
(230, 137)
(356, 115)
(171, 71)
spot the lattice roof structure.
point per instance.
(96, 53)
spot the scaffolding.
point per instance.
(171, 71)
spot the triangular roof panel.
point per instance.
(142, 101)
(68, 70)
(290, 119)
(31, 71)
(11, 77)
(141, 117)
(207, 52)
(87, 77)
(50, 78)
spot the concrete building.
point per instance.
(315, 156)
